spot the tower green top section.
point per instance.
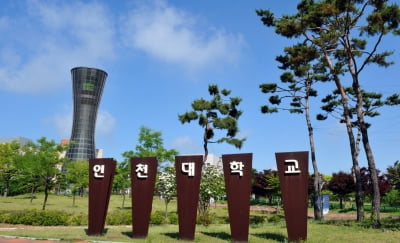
(87, 87)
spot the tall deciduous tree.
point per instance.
(212, 186)
(384, 185)
(340, 30)
(258, 184)
(77, 177)
(273, 186)
(40, 161)
(151, 143)
(297, 87)
(121, 180)
(8, 156)
(341, 184)
(220, 112)
(166, 186)
(393, 175)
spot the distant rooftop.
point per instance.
(20, 140)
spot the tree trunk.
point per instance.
(166, 208)
(376, 197)
(73, 198)
(46, 193)
(123, 198)
(375, 214)
(317, 179)
(6, 186)
(32, 193)
(362, 126)
(352, 141)
(205, 143)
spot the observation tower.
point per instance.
(87, 84)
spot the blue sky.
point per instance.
(160, 56)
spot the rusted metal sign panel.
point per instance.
(293, 177)
(143, 178)
(101, 175)
(237, 174)
(188, 176)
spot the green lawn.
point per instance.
(325, 231)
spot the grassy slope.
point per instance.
(268, 232)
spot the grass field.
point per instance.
(325, 231)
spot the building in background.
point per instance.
(88, 85)
(214, 160)
(21, 140)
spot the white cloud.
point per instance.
(49, 40)
(105, 124)
(186, 145)
(174, 36)
(61, 122)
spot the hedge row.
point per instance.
(118, 217)
(55, 218)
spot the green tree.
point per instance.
(372, 101)
(122, 180)
(150, 143)
(8, 170)
(340, 31)
(217, 113)
(166, 186)
(393, 175)
(297, 87)
(212, 186)
(77, 177)
(28, 173)
(392, 198)
(273, 186)
(40, 163)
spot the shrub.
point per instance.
(78, 220)
(35, 217)
(206, 218)
(119, 217)
(258, 201)
(274, 218)
(257, 219)
(173, 218)
(157, 218)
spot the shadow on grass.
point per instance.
(127, 233)
(124, 208)
(172, 235)
(219, 235)
(271, 236)
(103, 233)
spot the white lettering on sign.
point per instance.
(98, 171)
(293, 167)
(236, 167)
(141, 170)
(188, 168)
